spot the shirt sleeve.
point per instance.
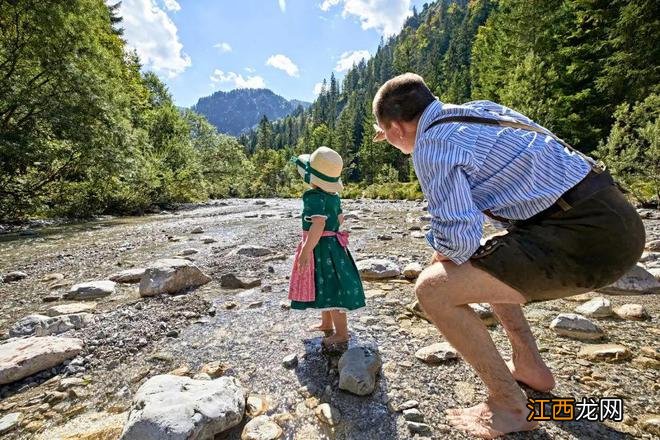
(456, 224)
(313, 206)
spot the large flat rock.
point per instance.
(171, 276)
(20, 358)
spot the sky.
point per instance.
(198, 47)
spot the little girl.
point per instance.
(324, 275)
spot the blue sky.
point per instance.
(288, 46)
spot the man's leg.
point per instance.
(526, 363)
(444, 290)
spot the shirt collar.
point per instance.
(428, 116)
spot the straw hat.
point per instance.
(322, 168)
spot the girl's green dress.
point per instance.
(337, 280)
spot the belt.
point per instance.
(592, 183)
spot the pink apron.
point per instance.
(301, 283)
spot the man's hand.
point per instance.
(437, 257)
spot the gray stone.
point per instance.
(385, 237)
(128, 276)
(419, 428)
(417, 234)
(375, 269)
(91, 290)
(576, 326)
(252, 251)
(604, 352)
(413, 415)
(290, 361)
(197, 230)
(71, 308)
(637, 281)
(187, 252)
(596, 308)
(208, 240)
(328, 414)
(412, 270)
(14, 276)
(632, 312)
(171, 276)
(41, 325)
(358, 368)
(9, 422)
(485, 313)
(168, 407)
(436, 353)
(231, 281)
(261, 428)
(20, 358)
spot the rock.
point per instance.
(650, 352)
(290, 361)
(197, 230)
(231, 281)
(328, 414)
(71, 308)
(647, 362)
(252, 251)
(604, 352)
(417, 234)
(261, 428)
(41, 325)
(208, 240)
(384, 237)
(358, 368)
(412, 270)
(485, 314)
(408, 404)
(436, 353)
(179, 408)
(653, 246)
(14, 276)
(416, 309)
(214, 369)
(256, 406)
(230, 305)
(202, 376)
(255, 304)
(374, 293)
(20, 358)
(598, 307)
(413, 415)
(353, 215)
(91, 290)
(576, 326)
(419, 428)
(52, 277)
(655, 271)
(129, 276)
(637, 281)
(650, 423)
(9, 422)
(375, 269)
(187, 252)
(171, 276)
(631, 312)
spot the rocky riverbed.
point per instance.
(111, 340)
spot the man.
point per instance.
(569, 231)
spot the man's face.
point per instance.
(396, 135)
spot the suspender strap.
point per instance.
(597, 167)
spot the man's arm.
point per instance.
(457, 223)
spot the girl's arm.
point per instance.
(341, 219)
(313, 237)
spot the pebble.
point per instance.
(436, 353)
(328, 414)
(290, 361)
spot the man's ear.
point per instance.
(397, 129)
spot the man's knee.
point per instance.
(431, 285)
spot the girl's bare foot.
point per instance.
(321, 328)
(335, 339)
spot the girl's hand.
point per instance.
(304, 259)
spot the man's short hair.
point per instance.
(402, 98)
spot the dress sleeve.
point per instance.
(313, 206)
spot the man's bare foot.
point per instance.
(335, 339)
(536, 376)
(321, 328)
(490, 420)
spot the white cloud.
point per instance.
(348, 59)
(283, 62)
(237, 81)
(387, 16)
(317, 88)
(224, 47)
(282, 4)
(172, 5)
(327, 4)
(250, 70)
(153, 35)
